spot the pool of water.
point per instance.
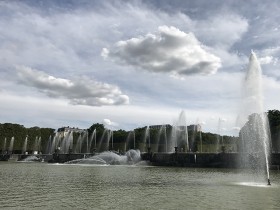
(62, 186)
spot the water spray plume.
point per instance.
(255, 134)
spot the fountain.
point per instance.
(110, 158)
(147, 139)
(37, 145)
(255, 134)
(129, 138)
(24, 147)
(200, 140)
(218, 141)
(49, 146)
(162, 139)
(92, 137)
(80, 141)
(11, 146)
(101, 142)
(180, 139)
(111, 136)
(4, 146)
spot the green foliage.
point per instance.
(19, 132)
(274, 118)
(274, 122)
(120, 136)
(9, 130)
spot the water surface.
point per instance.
(58, 186)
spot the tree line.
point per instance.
(19, 132)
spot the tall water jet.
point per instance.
(36, 145)
(180, 136)
(101, 142)
(55, 142)
(112, 139)
(79, 142)
(147, 138)
(4, 146)
(91, 139)
(254, 134)
(49, 145)
(200, 140)
(129, 138)
(11, 146)
(68, 142)
(218, 141)
(162, 139)
(220, 138)
(24, 147)
(134, 139)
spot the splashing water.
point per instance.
(111, 158)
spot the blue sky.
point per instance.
(134, 63)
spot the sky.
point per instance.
(129, 64)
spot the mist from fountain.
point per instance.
(255, 134)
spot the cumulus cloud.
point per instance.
(169, 50)
(82, 91)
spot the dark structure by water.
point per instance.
(4, 157)
(205, 160)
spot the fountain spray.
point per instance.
(255, 132)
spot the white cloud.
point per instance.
(169, 50)
(82, 91)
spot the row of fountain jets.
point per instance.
(63, 142)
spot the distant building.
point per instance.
(64, 130)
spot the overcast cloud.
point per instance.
(133, 63)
